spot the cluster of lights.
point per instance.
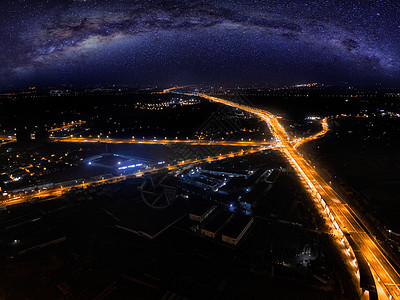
(166, 104)
(67, 125)
(314, 84)
(130, 166)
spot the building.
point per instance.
(236, 229)
(216, 223)
(201, 212)
(117, 162)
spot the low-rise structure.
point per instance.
(212, 228)
(236, 229)
(201, 212)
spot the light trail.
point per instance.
(199, 142)
(55, 192)
(325, 129)
(343, 219)
(6, 140)
(175, 88)
(68, 125)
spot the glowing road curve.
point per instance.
(343, 219)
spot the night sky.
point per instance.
(158, 42)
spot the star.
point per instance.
(238, 41)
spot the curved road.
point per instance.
(343, 218)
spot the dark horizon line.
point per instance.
(132, 87)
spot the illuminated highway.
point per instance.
(342, 218)
(52, 193)
(57, 191)
(199, 142)
(68, 125)
(325, 129)
(5, 140)
(72, 139)
(175, 88)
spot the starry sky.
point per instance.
(83, 42)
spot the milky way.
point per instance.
(130, 42)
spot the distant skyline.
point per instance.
(229, 42)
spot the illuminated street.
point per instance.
(185, 149)
(51, 193)
(325, 129)
(384, 273)
(66, 126)
(162, 141)
(74, 138)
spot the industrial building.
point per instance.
(201, 212)
(215, 225)
(236, 229)
(117, 162)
